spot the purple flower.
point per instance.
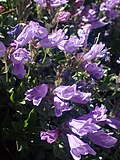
(70, 93)
(61, 106)
(99, 23)
(109, 7)
(113, 122)
(15, 32)
(102, 139)
(2, 49)
(41, 3)
(19, 58)
(65, 74)
(51, 136)
(83, 34)
(97, 115)
(83, 127)
(36, 94)
(53, 39)
(61, 45)
(72, 44)
(33, 29)
(65, 92)
(93, 69)
(109, 4)
(90, 16)
(58, 3)
(21, 55)
(19, 70)
(81, 97)
(112, 14)
(94, 51)
(63, 16)
(78, 147)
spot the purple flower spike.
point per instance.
(61, 106)
(36, 94)
(58, 3)
(41, 3)
(2, 49)
(51, 136)
(102, 139)
(78, 147)
(94, 51)
(83, 127)
(33, 29)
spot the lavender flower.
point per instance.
(61, 106)
(36, 94)
(63, 16)
(93, 69)
(2, 49)
(16, 31)
(41, 3)
(102, 139)
(83, 127)
(21, 55)
(83, 34)
(99, 23)
(19, 58)
(72, 44)
(94, 51)
(90, 16)
(97, 115)
(53, 39)
(70, 93)
(51, 136)
(33, 29)
(113, 122)
(78, 147)
(58, 3)
(109, 7)
(109, 4)
(19, 70)
(65, 92)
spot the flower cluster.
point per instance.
(77, 66)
